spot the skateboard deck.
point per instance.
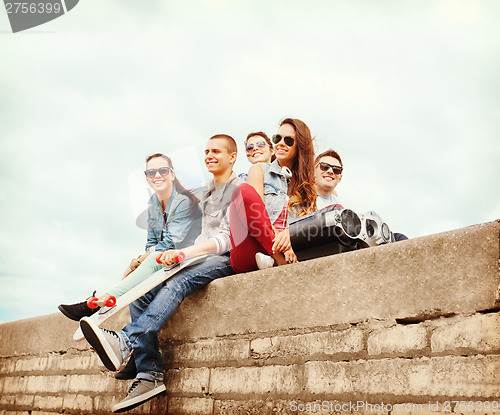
(138, 291)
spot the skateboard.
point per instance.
(137, 291)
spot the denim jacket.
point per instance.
(275, 189)
(177, 228)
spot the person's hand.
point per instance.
(169, 257)
(290, 256)
(281, 241)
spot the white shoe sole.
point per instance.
(98, 341)
(129, 404)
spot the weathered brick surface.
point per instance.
(7, 365)
(308, 345)
(7, 400)
(78, 401)
(188, 380)
(48, 402)
(397, 340)
(439, 376)
(190, 406)
(14, 384)
(210, 351)
(32, 364)
(46, 384)
(24, 400)
(480, 332)
(256, 380)
(252, 407)
(94, 383)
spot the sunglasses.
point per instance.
(325, 166)
(260, 144)
(164, 172)
(288, 140)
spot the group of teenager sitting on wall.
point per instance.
(240, 222)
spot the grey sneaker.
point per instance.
(142, 390)
(105, 342)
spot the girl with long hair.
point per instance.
(273, 192)
(174, 222)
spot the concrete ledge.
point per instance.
(454, 272)
(414, 322)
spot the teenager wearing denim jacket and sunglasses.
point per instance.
(260, 208)
(174, 222)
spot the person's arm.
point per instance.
(256, 179)
(204, 248)
(151, 239)
(134, 264)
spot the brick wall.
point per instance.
(408, 328)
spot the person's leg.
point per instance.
(250, 228)
(141, 335)
(148, 267)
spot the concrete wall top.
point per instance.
(452, 272)
(455, 272)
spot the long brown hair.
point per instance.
(193, 200)
(301, 187)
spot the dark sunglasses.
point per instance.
(288, 140)
(164, 172)
(260, 144)
(325, 166)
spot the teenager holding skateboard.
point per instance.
(174, 222)
(260, 208)
(151, 311)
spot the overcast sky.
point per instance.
(407, 92)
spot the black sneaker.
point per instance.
(77, 311)
(129, 371)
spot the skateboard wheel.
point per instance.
(92, 302)
(109, 301)
(180, 257)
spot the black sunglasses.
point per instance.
(325, 166)
(288, 140)
(260, 144)
(164, 172)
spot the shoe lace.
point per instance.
(93, 295)
(134, 385)
(110, 332)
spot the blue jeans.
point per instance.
(150, 312)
